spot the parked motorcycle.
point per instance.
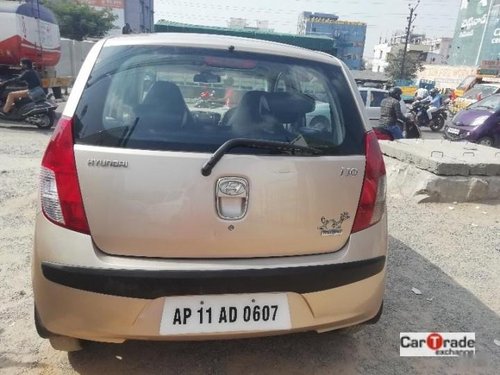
(39, 112)
(419, 111)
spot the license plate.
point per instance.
(225, 313)
(453, 131)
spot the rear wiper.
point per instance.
(206, 170)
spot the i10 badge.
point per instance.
(349, 172)
(225, 313)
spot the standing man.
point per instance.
(390, 113)
(32, 80)
(126, 29)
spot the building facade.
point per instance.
(380, 52)
(349, 36)
(242, 23)
(137, 13)
(435, 51)
(416, 46)
(477, 34)
(439, 50)
(237, 23)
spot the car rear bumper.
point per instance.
(151, 284)
(81, 292)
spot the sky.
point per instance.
(436, 18)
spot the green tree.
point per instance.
(412, 66)
(79, 21)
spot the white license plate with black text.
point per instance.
(225, 313)
(454, 131)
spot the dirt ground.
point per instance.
(451, 253)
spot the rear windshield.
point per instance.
(480, 91)
(194, 100)
(491, 103)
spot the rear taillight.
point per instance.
(371, 205)
(59, 188)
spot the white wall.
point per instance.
(379, 62)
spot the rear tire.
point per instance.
(376, 318)
(43, 332)
(437, 123)
(45, 120)
(65, 344)
(358, 327)
(486, 141)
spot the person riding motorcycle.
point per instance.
(30, 76)
(421, 93)
(435, 101)
(390, 113)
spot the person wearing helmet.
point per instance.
(421, 93)
(30, 77)
(435, 101)
(390, 113)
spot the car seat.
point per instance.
(164, 108)
(253, 117)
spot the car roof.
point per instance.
(222, 42)
(488, 84)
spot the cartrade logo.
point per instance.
(437, 344)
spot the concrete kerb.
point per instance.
(442, 171)
(446, 158)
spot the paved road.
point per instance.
(429, 134)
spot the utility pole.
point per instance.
(411, 18)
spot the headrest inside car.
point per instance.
(289, 107)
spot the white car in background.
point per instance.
(372, 98)
(320, 118)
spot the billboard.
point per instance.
(475, 34)
(490, 48)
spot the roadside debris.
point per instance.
(497, 342)
(118, 357)
(416, 291)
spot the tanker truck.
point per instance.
(29, 30)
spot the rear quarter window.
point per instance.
(193, 100)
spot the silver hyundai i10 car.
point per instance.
(169, 214)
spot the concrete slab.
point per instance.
(408, 181)
(445, 158)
